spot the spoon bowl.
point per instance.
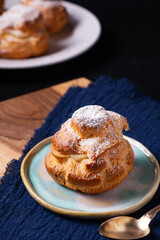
(125, 227)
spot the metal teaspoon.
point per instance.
(124, 227)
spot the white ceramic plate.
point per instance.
(133, 193)
(80, 34)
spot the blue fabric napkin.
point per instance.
(21, 217)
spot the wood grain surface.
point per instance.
(20, 116)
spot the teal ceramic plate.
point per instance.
(133, 193)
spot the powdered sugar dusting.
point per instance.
(91, 116)
(66, 127)
(94, 147)
(66, 138)
(17, 15)
(43, 4)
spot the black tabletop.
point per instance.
(128, 47)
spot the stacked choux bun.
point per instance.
(54, 14)
(22, 33)
(89, 152)
(25, 28)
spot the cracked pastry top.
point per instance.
(89, 152)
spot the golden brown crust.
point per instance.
(22, 33)
(100, 166)
(54, 14)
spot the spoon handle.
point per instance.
(152, 213)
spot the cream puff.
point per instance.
(54, 14)
(22, 33)
(89, 152)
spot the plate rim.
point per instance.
(49, 63)
(79, 213)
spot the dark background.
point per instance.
(129, 47)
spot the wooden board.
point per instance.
(20, 116)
